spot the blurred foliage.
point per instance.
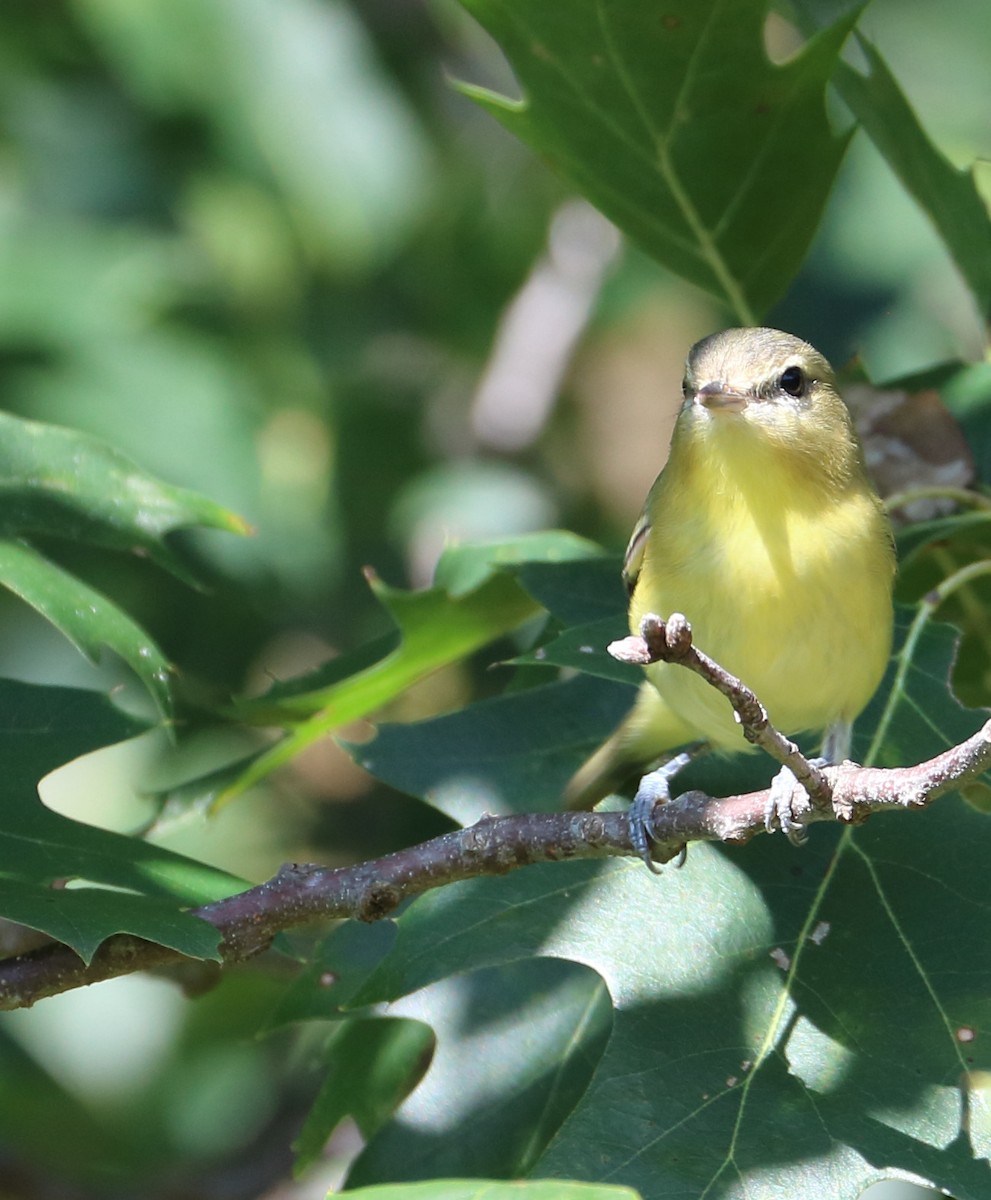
(266, 252)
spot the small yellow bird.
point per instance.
(764, 530)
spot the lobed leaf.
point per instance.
(71, 485)
(61, 483)
(847, 980)
(477, 601)
(676, 124)
(88, 619)
(474, 600)
(513, 753)
(388, 1055)
(132, 886)
(948, 196)
(539, 1026)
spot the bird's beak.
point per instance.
(722, 396)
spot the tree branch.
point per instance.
(300, 893)
(671, 641)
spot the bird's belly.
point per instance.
(804, 619)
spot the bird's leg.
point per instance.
(654, 789)
(778, 811)
(837, 743)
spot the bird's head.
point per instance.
(773, 389)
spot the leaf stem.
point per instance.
(963, 496)
(927, 607)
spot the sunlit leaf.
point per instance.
(475, 599)
(479, 601)
(522, 1041)
(674, 122)
(494, 1189)
(948, 196)
(844, 978)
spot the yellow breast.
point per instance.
(785, 577)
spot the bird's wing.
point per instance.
(633, 559)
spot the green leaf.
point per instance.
(473, 601)
(577, 592)
(435, 628)
(673, 122)
(62, 483)
(844, 980)
(466, 566)
(477, 601)
(83, 917)
(514, 753)
(915, 538)
(487, 1189)
(372, 1065)
(948, 196)
(337, 969)
(589, 597)
(583, 648)
(516, 1045)
(139, 888)
(88, 619)
(914, 714)
(71, 485)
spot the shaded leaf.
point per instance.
(577, 592)
(140, 888)
(388, 1056)
(671, 121)
(510, 754)
(72, 485)
(474, 600)
(948, 196)
(88, 619)
(337, 969)
(914, 714)
(583, 648)
(843, 979)
(464, 567)
(914, 538)
(435, 629)
(516, 1045)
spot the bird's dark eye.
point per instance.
(792, 381)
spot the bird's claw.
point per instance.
(778, 811)
(654, 789)
(640, 819)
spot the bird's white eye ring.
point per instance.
(792, 381)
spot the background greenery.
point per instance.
(265, 250)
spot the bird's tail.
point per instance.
(649, 730)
